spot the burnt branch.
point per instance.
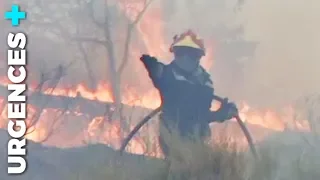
(55, 125)
(91, 15)
(89, 40)
(87, 61)
(53, 82)
(130, 28)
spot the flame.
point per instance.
(110, 133)
(103, 93)
(41, 122)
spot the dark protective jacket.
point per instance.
(186, 98)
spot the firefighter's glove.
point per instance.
(154, 67)
(147, 58)
(228, 110)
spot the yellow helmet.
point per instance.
(188, 39)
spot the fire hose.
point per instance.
(154, 112)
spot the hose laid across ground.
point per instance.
(154, 112)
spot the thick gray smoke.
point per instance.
(287, 59)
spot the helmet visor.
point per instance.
(180, 51)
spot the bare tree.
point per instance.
(81, 27)
(130, 27)
(106, 25)
(74, 23)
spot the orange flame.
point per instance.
(111, 132)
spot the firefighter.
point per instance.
(186, 91)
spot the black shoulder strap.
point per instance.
(202, 79)
(207, 75)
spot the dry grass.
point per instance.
(288, 155)
(285, 156)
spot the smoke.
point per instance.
(286, 62)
